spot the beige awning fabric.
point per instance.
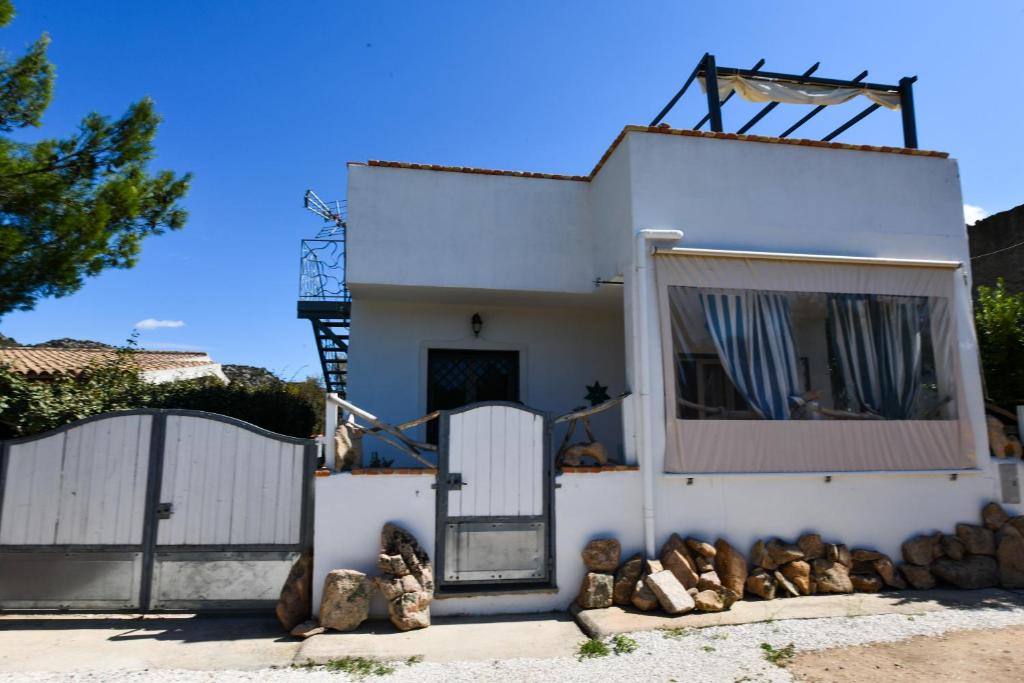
(758, 90)
(704, 446)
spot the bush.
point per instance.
(29, 407)
(999, 319)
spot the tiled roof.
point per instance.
(663, 130)
(41, 363)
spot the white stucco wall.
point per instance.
(439, 229)
(351, 509)
(561, 350)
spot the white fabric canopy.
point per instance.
(738, 445)
(758, 90)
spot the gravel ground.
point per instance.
(728, 653)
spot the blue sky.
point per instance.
(263, 99)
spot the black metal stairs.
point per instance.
(331, 321)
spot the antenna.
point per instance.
(332, 213)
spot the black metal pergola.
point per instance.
(710, 71)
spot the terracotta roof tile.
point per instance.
(42, 363)
(663, 130)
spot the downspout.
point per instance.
(647, 360)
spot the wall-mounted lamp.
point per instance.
(478, 324)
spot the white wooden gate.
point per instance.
(152, 509)
(494, 495)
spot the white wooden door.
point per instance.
(494, 495)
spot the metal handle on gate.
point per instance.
(164, 510)
(454, 481)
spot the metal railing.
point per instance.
(322, 271)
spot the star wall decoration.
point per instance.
(597, 393)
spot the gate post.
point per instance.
(154, 479)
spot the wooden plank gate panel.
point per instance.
(81, 521)
(495, 484)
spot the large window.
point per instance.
(768, 355)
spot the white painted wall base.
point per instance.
(878, 511)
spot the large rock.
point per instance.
(799, 574)
(731, 566)
(865, 555)
(761, 584)
(702, 548)
(811, 546)
(786, 587)
(831, 577)
(407, 579)
(708, 580)
(837, 552)
(974, 571)
(952, 547)
(1017, 523)
(643, 598)
(596, 591)
(672, 596)
(977, 540)
(782, 552)
(866, 583)
(410, 611)
(296, 600)
(716, 599)
(993, 516)
(346, 599)
(652, 567)
(917, 576)
(919, 550)
(678, 562)
(1010, 555)
(602, 555)
(887, 571)
(625, 579)
(759, 556)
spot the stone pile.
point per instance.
(691, 574)
(974, 556)
(406, 580)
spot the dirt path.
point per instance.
(985, 655)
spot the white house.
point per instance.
(792, 319)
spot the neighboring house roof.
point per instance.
(156, 366)
(664, 130)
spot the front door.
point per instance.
(494, 493)
(458, 377)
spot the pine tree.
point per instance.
(72, 207)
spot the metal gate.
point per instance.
(494, 497)
(152, 509)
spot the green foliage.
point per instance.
(356, 667)
(29, 407)
(999, 319)
(623, 644)
(778, 656)
(589, 649)
(72, 207)
(677, 633)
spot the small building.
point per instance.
(997, 249)
(791, 320)
(45, 363)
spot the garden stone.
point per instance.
(626, 578)
(708, 580)
(952, 547)
(731, 566)
(865, 555)
(811, 546)
(596, 591)
(410, 611)
(672, 596)
(866, 583)
(837, 552)
(799, 574)
(917, 576)
(716, 599)
(892, 578)
(759, 556)
(643, 598)
(1017, 523)
(652, 567)
(701, 548)
(392, 564)
(602, 555)
(307, 629)
(761, 584)
(681, 566)
(977, 540)
(993, 516)
(389, 586)
(919, 551)
(1010, 554)
(782, 552)
(295, 603)
(785, 585)
(831, 577)
(703, 564)
(346, 599)
(974, 571)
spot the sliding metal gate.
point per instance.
(494, 497)
(152, 509)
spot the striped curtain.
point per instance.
(753, 335)
(877, 345)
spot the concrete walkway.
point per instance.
(601, 623)
(67, 642)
